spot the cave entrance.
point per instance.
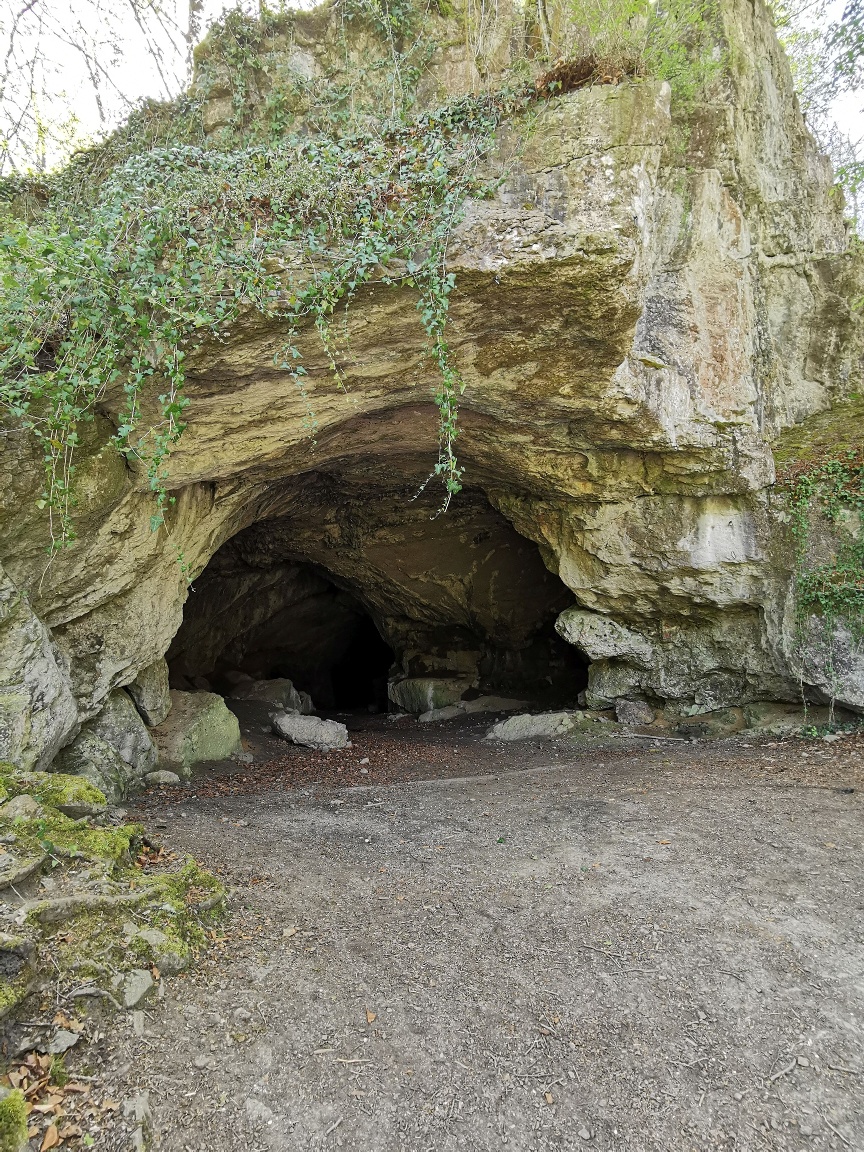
(346, 597)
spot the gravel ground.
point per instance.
(611, 947)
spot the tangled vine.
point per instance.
(831, 489)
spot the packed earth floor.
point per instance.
(544, 945)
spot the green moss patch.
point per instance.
(110, 908)
(840, 430)
(13, 1121)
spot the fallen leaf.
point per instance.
(664, 841)
(370, 1016)
(51, 1138)
(69, 1130)
(292, 931)
(31, 1132)
(550, 1099)
(110, 1106)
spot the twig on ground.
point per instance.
(784, 1071)
(837, 1132)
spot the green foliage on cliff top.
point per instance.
(113, 272)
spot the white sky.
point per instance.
(109, 26)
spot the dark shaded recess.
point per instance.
(359, 676)
(341, 590)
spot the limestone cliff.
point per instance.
(637, 321)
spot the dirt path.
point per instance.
(614, 949)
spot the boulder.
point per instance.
(426, 693)
(435, 714)
(100, 763)
(74, 796)
(279, 691)
(310, 731)
(150, 693)
(38, 713)
(162, 778)
(633, 713)
(120, 725)
(22, 807)
(166, 956)
(527, 726)
(493, 704)
(199, 727)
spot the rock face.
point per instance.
(150, 693)
(639, 323)
(199, 727)
(37, 709)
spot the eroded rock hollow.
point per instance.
(639, 323)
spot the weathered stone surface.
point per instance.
(479, 704)
(150, 693)
(137, 987)
(426, 693)
(635, 329)
(120, 725)
(278, 691)
(633, 713)
(311, 731)
(21, 807)
(162, 777)
(37, 709)
(100, 763)
(199, 727)
(601, 638)
(435, 714)
(166, 956)
(526, 726)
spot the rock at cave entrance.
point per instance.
(526, 726)
(199, 727)
(426, 693)
(633, 713)
(37, 708)
(278, 691)
(120, 725)
(310, 731)
(99, 762)
(550, 724)
(480, 704)
(150, 693)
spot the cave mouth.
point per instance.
(358, 677)
(345, 597)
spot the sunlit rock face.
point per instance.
(637, 318)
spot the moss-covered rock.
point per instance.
(72, 795)
(108, 910)
(199, 727)
(13, 1120)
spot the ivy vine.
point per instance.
(830, 490)
(152, 244)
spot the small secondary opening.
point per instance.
(359, 676)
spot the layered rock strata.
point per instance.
(637, 321)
